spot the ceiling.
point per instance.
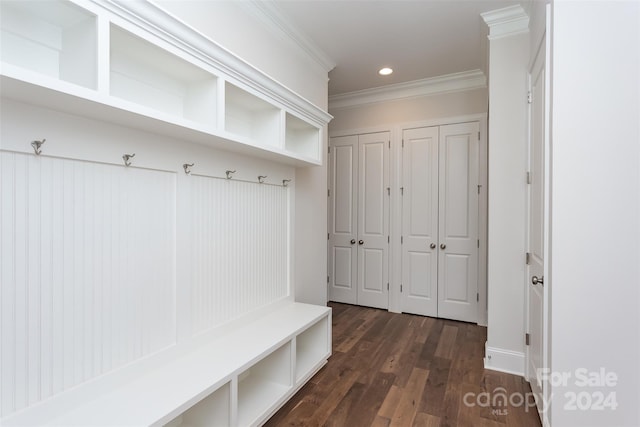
(419, 39)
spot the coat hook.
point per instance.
(187, 168)
(230, 174)
(261, 178)
(285, 182)
(36, 146)
(127, 159)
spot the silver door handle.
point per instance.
(443, 246)
(432, 246)
(535, 280)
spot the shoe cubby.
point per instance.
(312, 347)
(212, 411)
(53, 38)
(149, 76)
(263, 385)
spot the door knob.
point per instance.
(443, 246)
(361, 242)
(353, 241)
(535, 280)
(432, 246)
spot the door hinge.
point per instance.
(327, 236)
(387, 286)
(478, 135)
(388, 191)
(526, 339)
(327, 279)
(328, 192)
(477, 296)
(403, 143)
(529, 97)
(329, 149)
(401, 240)
(479, 186)
(478, 243)
(389, 144)
(388, 239)
(527, 258)
(400, 287)
(528, 177)
(402, 191)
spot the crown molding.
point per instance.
(506, 22)
(456, 82)
(271, 16)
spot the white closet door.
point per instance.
(420, 221)
(458, 230)
(343, 266)
(373, 219)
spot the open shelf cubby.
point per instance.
(263, 385)
(250, 117)
(312, 347)
(301, 138)
(151, 77)
(213, 410)
(53, 38)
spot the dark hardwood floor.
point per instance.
(404, 370)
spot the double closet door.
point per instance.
(440, 221)
(359, 225)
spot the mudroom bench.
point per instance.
(240, 378)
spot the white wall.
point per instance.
(595, 249)
(508, 57)
(236, 27)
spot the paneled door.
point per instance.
(359, 232)
(458, 222)
(420, 221)
(440, 221)
(537, 231)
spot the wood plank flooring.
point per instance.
(391, 370)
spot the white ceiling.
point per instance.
(419, 39)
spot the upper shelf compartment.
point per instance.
(149, 76)
(53, 38)
(250, 117)
(302, 138)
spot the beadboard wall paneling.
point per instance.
(87, 270)
(240, 248)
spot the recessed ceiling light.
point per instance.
(385, 71)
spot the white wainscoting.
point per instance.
(103, 267)
(240, 238)
(87, 269)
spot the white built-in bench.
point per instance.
(239, 378)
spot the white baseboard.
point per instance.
(498, 359)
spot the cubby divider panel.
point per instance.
(149, 76)
(53, 38)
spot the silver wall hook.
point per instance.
(127, 158)
(261, 178)
(187, 168)
(285, 182)
(36, 146)
(230, 174)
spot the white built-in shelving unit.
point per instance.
(132, 64)
(101, 60)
